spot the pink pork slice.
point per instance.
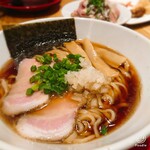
(114, 12)
(17, 101)
(52, 123)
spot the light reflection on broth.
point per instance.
(99, 111)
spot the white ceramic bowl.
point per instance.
(132, 45)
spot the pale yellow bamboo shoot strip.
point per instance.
(111, 58)
(60, 54)
(76, 49)
(97, 62)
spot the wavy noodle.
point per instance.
(115, 89)
(96, 110)
(71, 138)
(108, 94)
(93, 103)
(86, 125)
(124, 72)
(110, 114)
(96, 115)
(83, 111)
(83, 140)
(88, 117)
(80, 127)
(121, 79)
(109, 98)
(96, 127)
(126, 66)
(122, 85)
(99, 101)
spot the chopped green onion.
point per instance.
(103, 130)
(33, 68)
(47, 59)
(99, 4)
(55, 58)
(35, 87)
(52, 79)
(40, 59)
(29, 91)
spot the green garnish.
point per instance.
(52, 79)
(45, 59)
(29, 91)
(55, 58)
(99, 4)
(40, 59)
(33, 68)
(103, 130)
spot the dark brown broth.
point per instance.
(133, 99)
(9, 68)
(123, 113)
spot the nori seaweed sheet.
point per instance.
(24, 41)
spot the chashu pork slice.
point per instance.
(17, 101)
(114, 11)
(54, 122)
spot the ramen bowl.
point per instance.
(127, 42)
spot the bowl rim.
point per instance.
(130, 140)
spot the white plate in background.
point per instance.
(125, 13)
(143, 19)
(130, 4)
